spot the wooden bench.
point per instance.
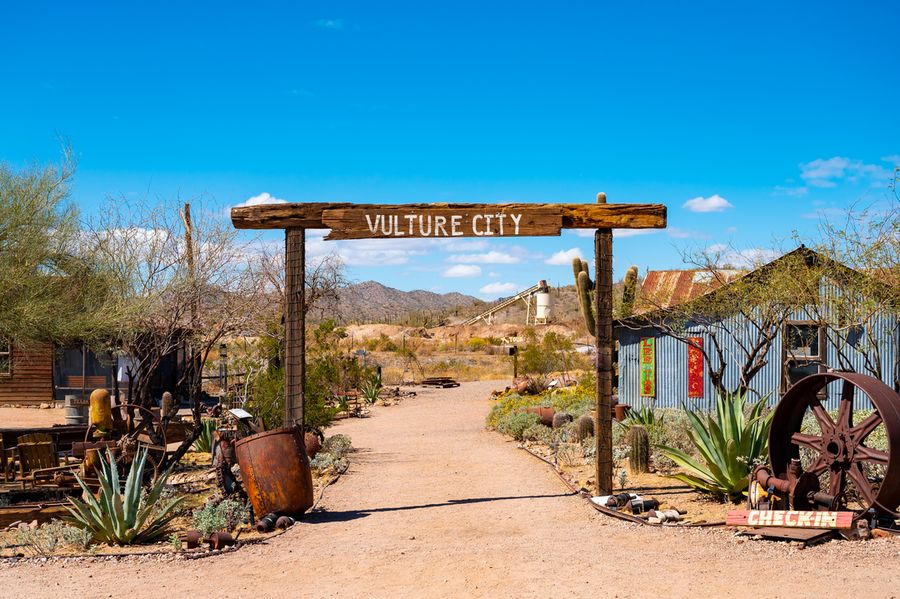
(98, 381)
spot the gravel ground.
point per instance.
(435, 506)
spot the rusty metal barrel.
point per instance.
(275, 472)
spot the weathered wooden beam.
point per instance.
(294, 326)
(401, 221)
(603, 338)
(574, 216)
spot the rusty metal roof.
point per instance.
(665, 288)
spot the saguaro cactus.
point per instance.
(585, 289)
(628, 292)
(639, 449)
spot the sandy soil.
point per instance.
(31, 417)
(435, 506)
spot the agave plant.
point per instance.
(645, 416)
(729, 445)
(204, 443)
(119, 518)
(371, 388)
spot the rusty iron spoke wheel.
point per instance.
(840, 453)
(140, 428)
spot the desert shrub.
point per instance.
(552, 353)
(569, 454)
(381, 343)
(218, 516)
(331, 456)
(46, 538)
(538, 433)
(514, 425)
(476, 344)
(324, 462)
(730, 444)
(337, 445)
(565, 433)
(508, 403)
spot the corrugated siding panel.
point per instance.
(32, 376)
(671, 364)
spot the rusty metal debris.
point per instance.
(275, 472)
(439, 381)
(842, 468)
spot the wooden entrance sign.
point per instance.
(397, 221)
(574, 216)
(402, 221)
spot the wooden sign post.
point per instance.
(396, 221)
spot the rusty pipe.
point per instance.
(765, 478)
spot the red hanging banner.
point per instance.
(695, 367)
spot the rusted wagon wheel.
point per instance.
(843, 454)
(139, 429)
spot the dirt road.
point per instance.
(435, 506)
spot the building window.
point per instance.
(803, 352)
(5, 358)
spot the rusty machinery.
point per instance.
(837, 468)
(124, 429)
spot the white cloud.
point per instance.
(892, 159)
(463, 270)
(676, 233)
(330, 24)
(497, 289)
(796, 192)
(623, 233)
(829, 172)
(564, 257)
(263, 198)
(724, 255)
(492, 257)
(714, 203)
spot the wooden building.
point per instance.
(41, 372)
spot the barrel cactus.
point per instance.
(639, 449)
(561, 419)
(584, 428)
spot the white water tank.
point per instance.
(542, 304)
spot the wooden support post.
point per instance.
(294, 325)
(603, 339)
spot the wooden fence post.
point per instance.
(603, 339)
(294, 325)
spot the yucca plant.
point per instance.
(119, 518)
(729, 444)
(204, 443)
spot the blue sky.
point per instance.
(748, 121)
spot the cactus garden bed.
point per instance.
(570, 446)
(201, 507)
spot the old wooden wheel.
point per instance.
(853, 460)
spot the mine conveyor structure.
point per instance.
(537, 305)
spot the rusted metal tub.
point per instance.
(275, 471)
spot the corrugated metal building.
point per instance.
(798, 336)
